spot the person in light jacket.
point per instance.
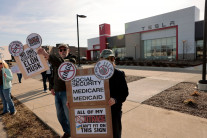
(5, 89)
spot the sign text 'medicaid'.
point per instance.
(87, 88)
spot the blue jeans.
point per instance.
(8, 105)
(62, 111)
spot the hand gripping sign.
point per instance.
(67, 71)
(104, 69)
(34, 40)
(16, 48)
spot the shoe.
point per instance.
(3, 113)
(14, 113)
(45, 91)
(66, 135)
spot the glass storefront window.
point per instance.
(164, 41)
(169, 41)
(174, 39)
(159, 42)
(154, 42)
(162, 48)
(148, 49)
(119, 52)
(174, 50)
(96, 55)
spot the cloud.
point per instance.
(56, 20)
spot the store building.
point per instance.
(175, 35)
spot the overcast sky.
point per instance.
(55, 20)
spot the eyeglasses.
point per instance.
(61, 50)
(110, 58)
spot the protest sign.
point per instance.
(104, 69)
(34, 40)
(66, 71)
(16, 48)
(4, 50)
(90, 114)
(91, 122)
(87, 88)
(30, 63)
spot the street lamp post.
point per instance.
(204, 45)
(202, 84)
(81, 16)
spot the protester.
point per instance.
(5, 89)
(46, 75)
(118, 92)
(19, 75)
(57, 86)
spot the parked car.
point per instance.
(83, 58)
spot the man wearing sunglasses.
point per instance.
(57, 86)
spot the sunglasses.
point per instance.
(0, 63)
(61, 50)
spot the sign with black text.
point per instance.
(30, 63)
(16, 48)
(91, 121)
(66, 71)
(87, 88)
(90, 113)
(34, 40)
(104, 69)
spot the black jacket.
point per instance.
(118, 89)
(55, 82)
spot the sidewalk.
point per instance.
(3, 133)
(30, 93)
(138, 120)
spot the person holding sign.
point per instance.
(118, 92)
(5, 89)
(57, 86)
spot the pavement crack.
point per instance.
(133, 108)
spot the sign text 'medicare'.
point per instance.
(87, 88)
